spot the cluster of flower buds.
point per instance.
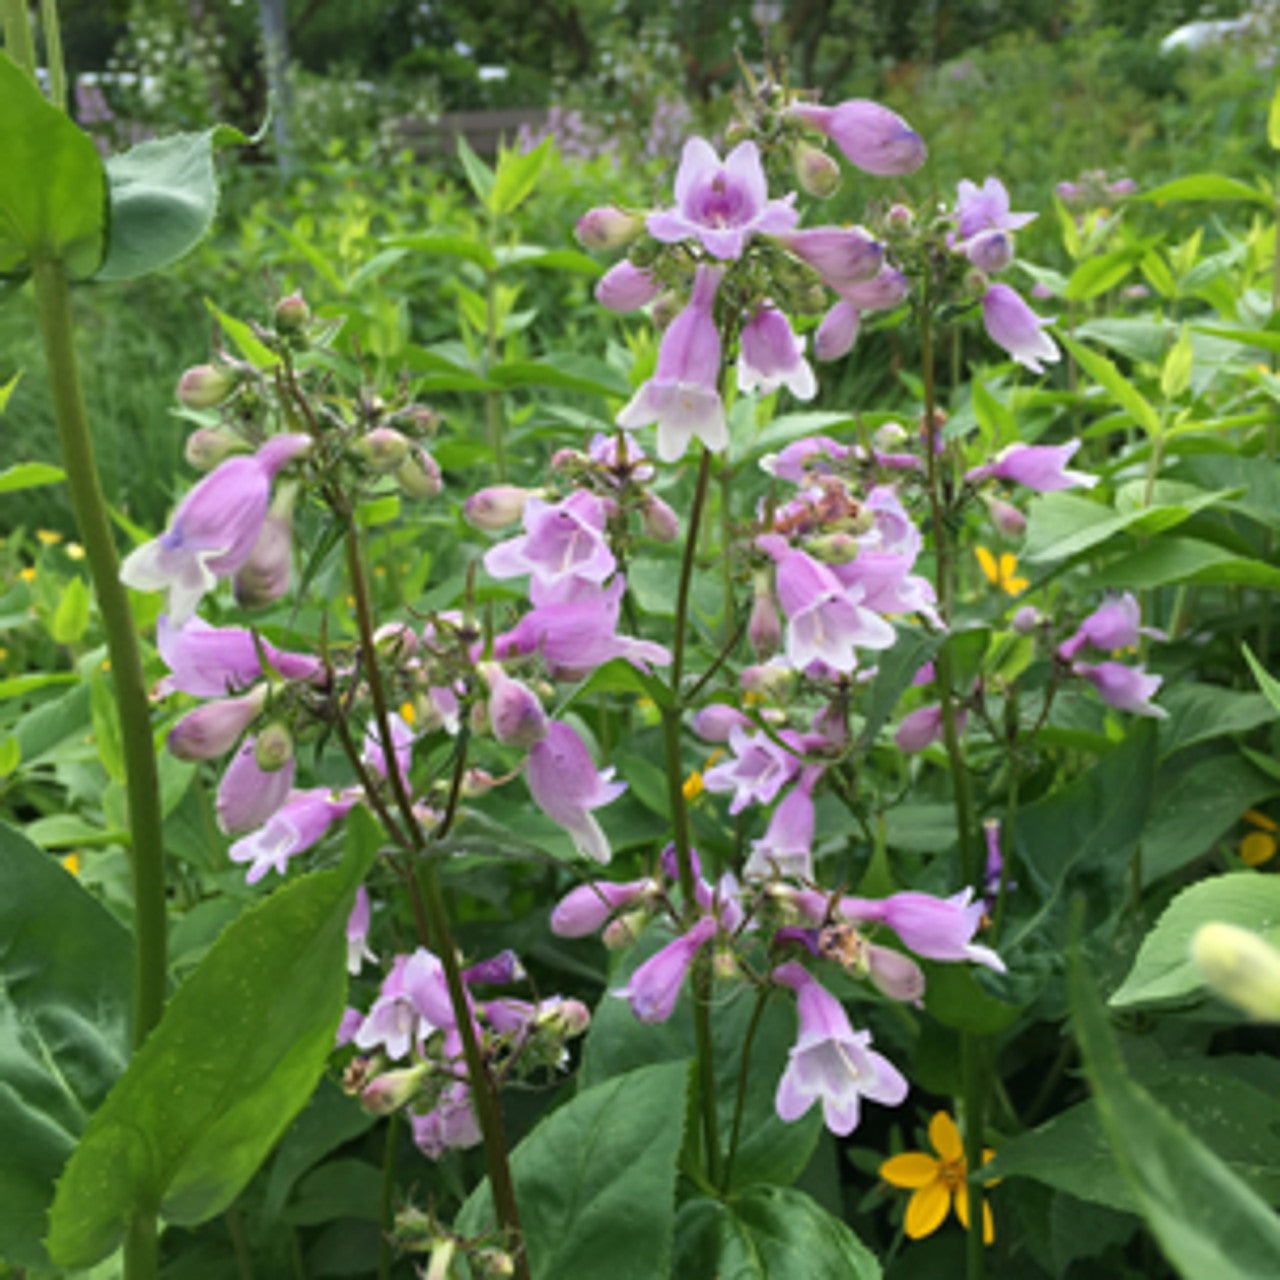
(830, 1063)
(1093, 189)
(411, 1048)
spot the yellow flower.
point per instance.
(936, 1182)
(72, 863)
(693, 786)
(48, 537)
(1002, 573)
(409, 713)
(75, 551)
(1258, 846)
(28, 574)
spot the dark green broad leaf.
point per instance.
(65, 966)
(896, 668)
(769, 1233)
(1231, 1104)
(52, 187)
(235, 1057)
(1198, 712)
(1208, 1221)
(770, 1150)
(565, 373)
(596, 1180)
(1164, 969)
(163, 196)
(1166, 561)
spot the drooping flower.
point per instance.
(920, 727)
(248, 795)
(937, 1182)
(683, 396)
(585, 909)
(1125, 688)
(936, 928)
(758, 769)
(515, 711)
(1115, 624)
(412, 1003)
(566, 786)
(831, 1063)
(451, 1125)
(842, 256)
(871, 136)
(721, 204)
(626, 287)
(837, 332)
(785, 849)
(1012, 325)
(293, 828)
(655, 985)
(358, 932)
(772, 356)
(1042, 467)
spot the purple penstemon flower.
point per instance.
(566, 786)
(564, 540)
(1125, 688)
(412, 1003)
(1012, 324)
(209, 662)
(758, 769)
(1115, 624)
(1042, 467)
(655, 985)
(249, 795)
(871, 136)
(830, 1063)
(721, 205)
(358, 932)
(770, 355)
(296, 826)
(986, 208)
(786, 847)
(842, 256)
(451, 1125)
(936, 928)
(586, 908)
(683, 396)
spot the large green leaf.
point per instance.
(895, 670)
(1205, 186)
(163, 195)
(1125, 394)
(1198, 712)
(596, 1181)
(52, 186)
(770, 1150)
(1207, 1220)
(1231, 1104)
(235, 1057)
(1170, 560)
(30, 475)
(1164, 969)
(770, 1233)
(65, 966)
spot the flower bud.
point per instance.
(768, 681)
(566, 1019)
(660, 521)
(1241, 967)
(396, 640)
(976, 283)
(626, 287)
(205, 385)
(477, 782)
(216, 726)
(1006, 517)
(273, 748)
(206, 447)
(836, 334)
(816, 171)
(419, 474)
(383, 448)
(764, 630)
(494, 1264)
(495, 507)
(834, 548)
(393, 1089)
(515, 713)
(991, 250)
(665, 311)
(899, 218)
(1026, 619)
(623, 931)
(894, 974)
(714, 723)
(292, 314)
(607, 227)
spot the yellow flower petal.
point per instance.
(408, 713)
(927, 1209)
(1015, 586)
(28, 574)
(946, 1137)
(75, 551)
(910, 1169)
(962, 1212)
(1256, 848)
(1260, 820)
(72, 863)
(988, 564)
(693, 786)
(48, 537)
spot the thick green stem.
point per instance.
(142, 1248)
(387, 1214)
(740, 1102)
(17, 36)
(53, 303)
(701, 978)
(53, 53)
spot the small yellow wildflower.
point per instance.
(75, 551)
(48, 537)
(937, 1182)
(28, 574)
(72, 863)
(409, 713)
(1258, 847)
(1002, 573)
(693, 786)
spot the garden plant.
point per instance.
(575, 785)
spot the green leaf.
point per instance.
(163, 196)
(1175, 376)
(451, 246)
(254, 350)
(106, 727)
(52, 185)
(954, 996)
(71, 618)
(783, 430)
(515, 176)
(5, 392)
(896, 669)
(65, 972)
(1121, 390)
(770, 1233)
(1164, 970)
(235, 1057)
(771, 1150)
(1264, 339)
(1207, 1220)
(1269, 685)
(479, 175)
(996, 419)
(596, 1180)
(30, 475)
(1171, 560)
(1198, 712)
(1204, 186)
(564, 372)
(1096, 275)
(1273, 121)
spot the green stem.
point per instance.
(53, 304)
(142, 1248)
(740, 1102)
(53, 58)
(17, 36)
(386, 1218)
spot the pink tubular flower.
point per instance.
(213, 530)
(1116, 624)
(208, 662)
(986, 208)
(830, 1062)
(248, 795)
(936, 928)
(561, 542)
(837, 332)
(566, 786)
(872, 137)
(1125, 688)
(842, 256)
(515, 711)
(759, 768)
(770, 356)
(216, 726)
(1012, 324)
(585, 909)
(656, 984)
(716, 722)
(826, 620)
(683, 396)
(294, 827)
(450, 1125)
(990, 251)
(358, 932)
(721, 205)
(607, 227)
(785, 849)
(1042, 467)
(919, 728)
(893, 974)
(625, 287)
(882, 292)
(495, 507)
(412, 1003)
